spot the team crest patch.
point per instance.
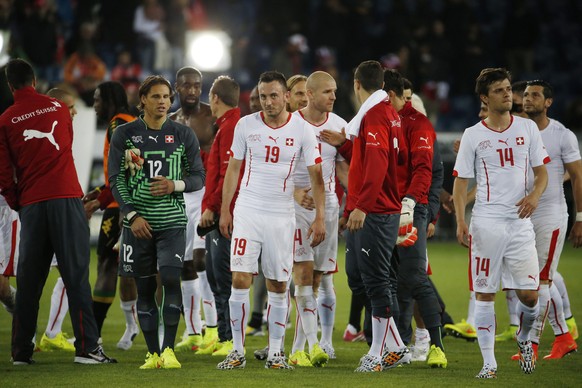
(289, 142)
(519, 140)
(169, 138)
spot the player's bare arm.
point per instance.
(460, 201)
(341, 171)
(317, 230)
(228, 190)
(333, 138)
(574, 170)
(529, 203)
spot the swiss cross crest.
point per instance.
(519, 140)
(289, 141)
(169, 138)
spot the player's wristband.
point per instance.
(579, 217)
(131, 217)
(179, 186)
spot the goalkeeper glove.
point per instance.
(408, 239)
(406, 216)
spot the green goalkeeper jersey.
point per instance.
(173, 152)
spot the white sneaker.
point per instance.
(419, 351)
(129, 335)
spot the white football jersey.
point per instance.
(329, 155)
(3, 201)
(271, 156)
(562, 147)
(500, 162)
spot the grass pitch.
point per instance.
(449, 264)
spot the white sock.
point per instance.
(239, 315)
(556, 312)
(207, 300)
(527, 316)
(307, 310)
(276, 320)
(129, 311)
(393, 340)
(421, 336)
(543, 302)
(471, 310)
(559, 282)
(58, 311)
(512, 301)
(299, 340)
(326, 302)
(379, 333)
(485, 325)
(191, 303)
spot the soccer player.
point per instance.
(414, 181)
(297, 93)
(9, 232)
(152, 161)
(373, 205)
(111, 105)
(550, 219)
(498, 151)
(38, 178)
(223, 97)
(313, 267)
(270, 142)
(254, 101)
(195, 287)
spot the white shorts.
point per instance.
(9, 240)
(502, 250)
(550, 236)
(193, 212)
(324, 256)
(268, 235)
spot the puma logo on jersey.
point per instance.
(306, 310)
(274, 139)
(154, 138)
(330, 307)
(215, 241)
(488, 328)
(532, 277)
(367, 252)
(286, 271)
(424, 139)
(503, 141)
(36, 134)
(56, 103)
(179, 257)
(331, 260)
(208, 302)
(373, 134)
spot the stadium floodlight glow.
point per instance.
(208, 50)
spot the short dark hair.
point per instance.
(19, 73)
(406, 84)
(519, 86)
(548, 90)
(188, 70)
(149, 82)
(489, 76)
(114, 98)
(393, 81)
(227, 89)
(270, 76)
(370, 75)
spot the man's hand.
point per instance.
(430, 229)
(141, 228)
(406, 216)
(316, 232)
(303, 198)
(342, 224)
(207, 219)
(91, 207)
(463, 234)
(356, 220)
(91, 195)
(333, 138)
(446, 200)
(225, 224)
(576, 235)
(527, 205)
(160, 186)
(409, 239)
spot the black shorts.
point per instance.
(109, 232)
(143, 257)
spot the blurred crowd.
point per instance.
(440, 45)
